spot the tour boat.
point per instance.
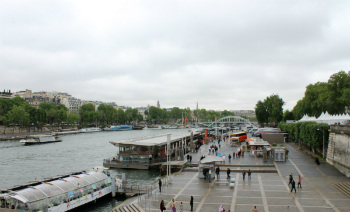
(118, 128)
(58, 194)
(40, 139)
(91, 129)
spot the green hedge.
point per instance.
(311, 133)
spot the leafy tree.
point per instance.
(120, 116)
(271, 110)
(261, 112)
(288, 115)
(17, 115)
(88, 114)
(72, 118)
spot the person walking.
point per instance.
(173, 205)
(181, 207)
(160, 185)
(224, 158)
(228, 173)
(299, 183)
(243, 173)
(229, 158)
(221, 208)
(217, 171)
(191, 203)
(249, 175)
(255, 209)
(162, 206)
(190, 158)
(290, 178)
(293, 187)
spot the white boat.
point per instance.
(40, 139)
(91, 129)
(59, 194)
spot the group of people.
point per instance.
(292, 183)
(172, 205)
(213, 149)
(249, 174)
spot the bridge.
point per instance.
(228, 120)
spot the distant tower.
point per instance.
(197, 106)
(158, 105)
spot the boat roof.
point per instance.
(57, 187)
(41, 135)
(154, 140)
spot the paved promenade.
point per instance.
(268, 191)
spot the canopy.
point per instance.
(211, 159)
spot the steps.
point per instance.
(128, 208)
(344, 188)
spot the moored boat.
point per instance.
(59, 194)
(118, 128)
(91, 129)
(40, 139)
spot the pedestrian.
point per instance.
(317, 161)
(217, 171)
(243, 175)
(243, 154)
(255, 209)
(181, 207)
(173, 205)
(290, 178)
(221, 208)
(229, 158)
(249, 175)
(162, 206)
(191, 203)
(209, 150)
(160, 185)
(228, 173)
(224, 157)
(190, 158)
(299, 183)
(293, 187)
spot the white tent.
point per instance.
(328, 119)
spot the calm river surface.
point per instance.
(21, 164)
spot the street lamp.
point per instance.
(323, 142)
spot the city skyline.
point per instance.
(225, 55)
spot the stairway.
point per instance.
(344, 188)
(128, 208)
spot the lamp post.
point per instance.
(323, 143)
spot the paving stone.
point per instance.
(242, 193)
(313, 202)
(280, 201)
(242, 208)
(277, 208)
(277, 194)
(248, 200)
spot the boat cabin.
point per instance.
(145, 152)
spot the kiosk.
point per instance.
(206, 167)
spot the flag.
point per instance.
(183, 120)
(186, 119)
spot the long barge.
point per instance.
(58, 194)
(150, 151)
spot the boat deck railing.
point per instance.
(151, 162)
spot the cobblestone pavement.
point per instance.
(268, 191)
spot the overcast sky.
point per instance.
(221, 54)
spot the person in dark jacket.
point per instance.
(162, 206)
(191, 203)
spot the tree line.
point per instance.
(176, 115)
(17, 112)
(332, 96)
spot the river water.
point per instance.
(21, 164)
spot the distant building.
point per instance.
(24, 94)
(6, 94)
(72, 104)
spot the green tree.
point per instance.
(17, 115)
(72, 118)
(271, 110)
(288, 115)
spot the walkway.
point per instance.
(268, 191)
